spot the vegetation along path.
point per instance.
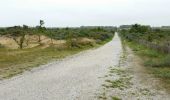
(103, 73)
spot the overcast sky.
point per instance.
(61, 13)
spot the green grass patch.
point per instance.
(120, 83)
(162, 72)
(115, 98)
(117, 71)
(159, 62)
(143, 50)
(151, 57)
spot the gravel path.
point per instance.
(73, 78)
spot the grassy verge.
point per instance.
(13, 62)
(158, 63)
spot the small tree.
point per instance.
(18, 34)
(40, 30)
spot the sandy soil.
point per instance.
(32, 40)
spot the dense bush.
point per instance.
(157, 39)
